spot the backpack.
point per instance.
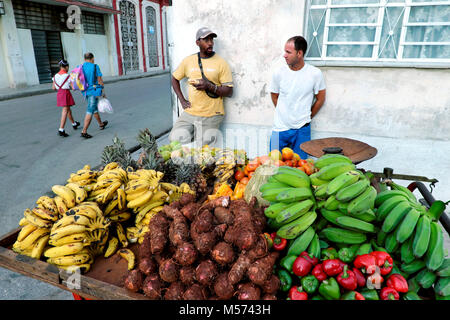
(77, 80)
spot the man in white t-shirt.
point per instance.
(293, 89)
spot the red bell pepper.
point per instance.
(359, 296)
(319, 273)
(297, 293)
(384, 261)
(332, 267)
(366, 262)
(359, 277)
(388, 293)
(347, 279)
(301, 267)
(279, 244)
(397, 282)
(310, 258)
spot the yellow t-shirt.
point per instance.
(217, 70)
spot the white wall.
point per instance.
(4, 79)
(29, 60)
(72, 47)
(98, 45)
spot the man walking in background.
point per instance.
(293, 89)
(94, 82)
(209, 81)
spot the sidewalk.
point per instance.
(9, 93)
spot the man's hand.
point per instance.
(203, 84)
(185, 104)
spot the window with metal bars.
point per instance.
(40, 16)
(378, 32)
(93, 23)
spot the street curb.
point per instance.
(34, 92)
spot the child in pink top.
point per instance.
(64, 98)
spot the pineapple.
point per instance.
(191, 174)
(117, 153)
(149, 157)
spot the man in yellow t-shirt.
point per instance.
(204, 111)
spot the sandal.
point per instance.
(104, 123)
(75, 126)
(85, 135)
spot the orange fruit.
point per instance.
(296, 157)
(251, 166)
(239, 174)
(289, 163)
(264, 159)
(278, 163)
(244, 180)
(250, 175)
(287, 154)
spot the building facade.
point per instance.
(125, 36)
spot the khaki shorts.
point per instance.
(204, 130)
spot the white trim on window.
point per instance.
(380, 41)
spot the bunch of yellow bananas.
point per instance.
(77, 237)
(84, 177)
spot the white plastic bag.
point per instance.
(104, 106)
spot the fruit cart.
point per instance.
(105, 279)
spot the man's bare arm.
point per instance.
(274, 97)
(223, 91)
(176, 87)
(320, 99)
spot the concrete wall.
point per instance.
(4, 79)
(29, 60)
(403, 112)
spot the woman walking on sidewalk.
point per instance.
(64, 98)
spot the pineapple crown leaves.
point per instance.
(117, 153)
(147, 141)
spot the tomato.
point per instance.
(289, 163)
(278, 163)
(251, 166)
(239, 174)
(301, 162)
(302, 168)
(296, 157)
(287, 154)
(244, 180)
(264, 159)
(309, 169)
(250, 174)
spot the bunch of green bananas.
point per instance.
(292, 209)
(345, 199)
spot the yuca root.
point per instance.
(158, 230)
(262, 269)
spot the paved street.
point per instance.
(33, 157)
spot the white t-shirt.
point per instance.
(59, 79)
(296, 91)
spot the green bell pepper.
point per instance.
(329, 289)
(287, 262)
(352, 295)
(411, 295)
(310, 284)
(348, 254)
(317, 297)
(285, 280)
(370, 294)
(328, 253)
(364, 248)
(439, 297)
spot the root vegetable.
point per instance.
(269, 296)
(206, 272)
(203, 222)
(134, 280)
(152, 286)
(223, 215)
(248, 291)
(186, 254)
(158, 230)
(144, 249)
(219, 202)
(168, 271)
(223, 253)
(195, 292)
(239, 268)
(220, 229)
(147, 266)
(187, 275)
(174, 291)
(178, 230)
(271, 285)
(223, 288)
(260, 249)
(262, 268)
(190, 210)
(204, 242)
(186, 198)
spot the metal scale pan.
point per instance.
(357, 151)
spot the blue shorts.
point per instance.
(292, 138)
(92, 104)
